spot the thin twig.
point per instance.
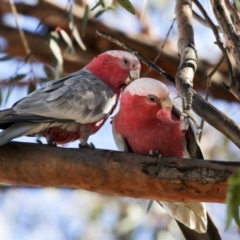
(209, 78)
(203, 21)
(142, 58)
(21, 33)
(162, 47)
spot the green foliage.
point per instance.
(53, 44)
(74, 29)
(233, 200)
(127, 5)
(104, 6)
(237, 5)
(85, 19)
(67, 40)
(18, 77)
(31, 88)
(99, 3)
(48, 71)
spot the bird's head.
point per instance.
(148, 96)
(116, 68)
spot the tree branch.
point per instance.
(115, 173)
(203, 21)
(188, 64)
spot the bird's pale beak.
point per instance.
(167, 103)
(133, 75)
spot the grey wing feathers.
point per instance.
(81, 97)
(192, 142)
(16, 130)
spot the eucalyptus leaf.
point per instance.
(67, 40)
(100, 2)
(127, 5)
(53, 44)
(233, 200)
(48, 71)
(76, 36)
(85, 19)
(18, 77)
(31, 88)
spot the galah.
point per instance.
(73, 107)
(148, 122)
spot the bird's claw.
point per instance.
(39, 141)
(184, 121)
(86, 145)
(186, 114)
(154, 153)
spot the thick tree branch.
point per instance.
(115, 173)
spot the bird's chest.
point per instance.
(164, 137)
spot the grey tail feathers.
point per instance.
(211, 233)
(15, 130)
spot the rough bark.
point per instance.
(231, 36)
(188, 54)
(115, 173)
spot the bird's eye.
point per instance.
(152, 98)
(126, 61)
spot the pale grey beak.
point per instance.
(133, 75)
(167, 103)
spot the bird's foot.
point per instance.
(155, 154)
(39, 141)
(186, 114)
(86, 145)
(51, 143)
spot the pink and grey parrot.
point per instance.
(148, 121)
(73, 107)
